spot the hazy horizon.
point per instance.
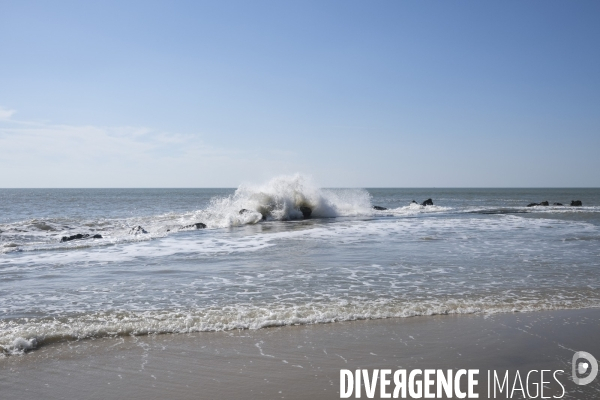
(322, 187)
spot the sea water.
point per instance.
(473, 251)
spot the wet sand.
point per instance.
(303, 361)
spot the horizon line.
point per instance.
(324, 187)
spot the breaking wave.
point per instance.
(280, 199)
(20, 336)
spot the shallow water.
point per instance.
(475, 250)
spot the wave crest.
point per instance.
(282, 198)
(20, 336)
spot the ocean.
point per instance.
(256, 262)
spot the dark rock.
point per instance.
(244, 211)
(427, 202)
(265, 210)
(379, 208)
(136, 230)
(198, 225)
(576, 203)
(74, 237)
(543, 203)
(557, 204)
(413, 202)
(306, 211)
(97, 236)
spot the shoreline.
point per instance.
(28, 345)
(303, 361)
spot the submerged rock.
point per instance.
(73, 237)
(79, 236)
(138, 229)
(413, 202)
(576, 203)
(379, 208)
(306, 211)
(557, 204)
(543, 203)
(243, 211)
(427, 202)
(198, 225)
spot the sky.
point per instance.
(350, 93)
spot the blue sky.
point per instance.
(352, 93)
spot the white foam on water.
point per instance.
(535, 209)
(280, 199)
(130, 300)
(17, 337)
(206, 242)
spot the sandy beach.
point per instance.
(303, 361)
